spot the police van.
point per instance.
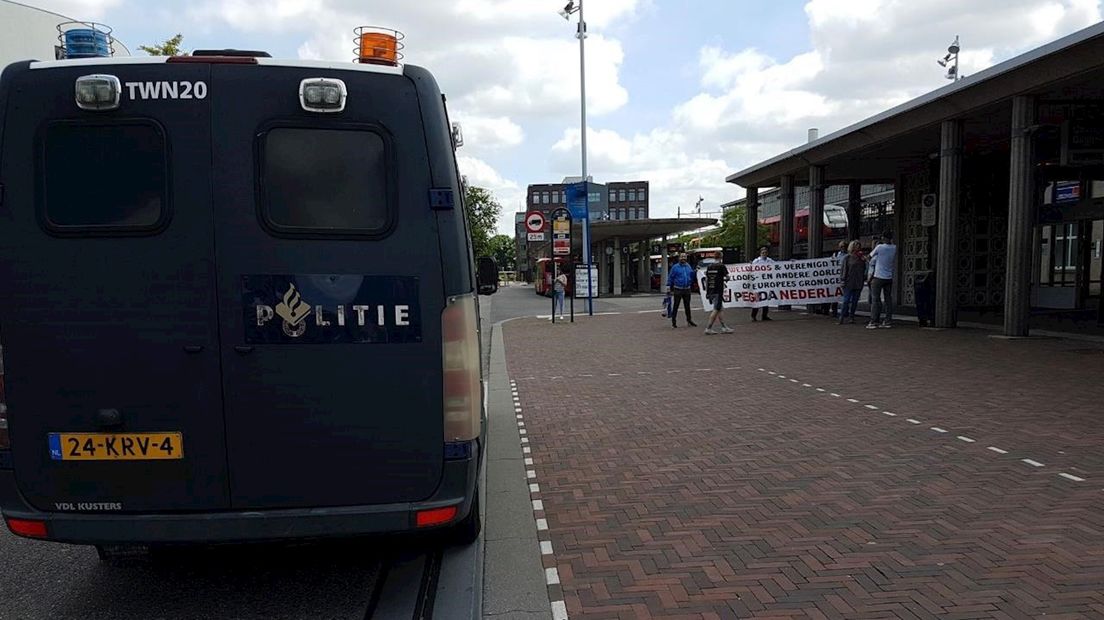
(212, 327)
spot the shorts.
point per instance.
(717, 301)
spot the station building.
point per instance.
(997, 183)
(623, 236)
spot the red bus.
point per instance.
(542, 281)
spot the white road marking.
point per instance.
(835, 395)
(938, 430)
(911, 421)
(1071, 477)
(542, 525)
(705, 370)
(530, 474)
(966, 439)
(793, 381)
(762, 370)
(559, 610)
(771, 372)
(671, 372)
(534, 488)
(615, 374)
(820, 389)
(642, 372)
(546, 547)
(552, 576)
(997, 450)
(586, 375)
(554, 378)
(538, 505)
(523, 431)
(529, 461)
(780, 376)
(521, 424)
(1033, 463)
(805, 385)
(526, 449)
(890, 414)
(524, 440)
(733, 368)
(870, 407)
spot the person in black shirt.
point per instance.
(716, 275)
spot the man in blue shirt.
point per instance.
(679, 282)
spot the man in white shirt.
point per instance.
(884, 261)
(763, 258)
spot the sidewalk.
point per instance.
(801, 469)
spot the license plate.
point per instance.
(116, 446)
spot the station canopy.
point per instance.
(635, 230)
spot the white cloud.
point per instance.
(508, 192)
(78, 9)
(490, 133)
(866, 56)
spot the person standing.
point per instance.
(763, 259)
(679, 282)
(716, 275)
(853, 274)
(884, 259)
(559, 288)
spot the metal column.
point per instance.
(663, 264)
(815, 225)
(643, 270)
(950, 192)
(1021, 217)
(751, 224)
(786, 218)
(617, 265)
(854, 210)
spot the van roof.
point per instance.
(271, 62)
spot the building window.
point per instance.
(640, 213)
(613, 195)
(536, 199)
(324, 180)
(643, 194)
(544, 197)
(129, 159)
(621, 196)
(632, 195)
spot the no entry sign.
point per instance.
(534, 221)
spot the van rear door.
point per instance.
(109, 319)
(330, 291)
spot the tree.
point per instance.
(482, 210)
(731, 233)
(503, 250)
(171, 47)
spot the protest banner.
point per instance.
(785, 283)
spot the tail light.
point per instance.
(463, 395)
(27, 527)
(434, 516)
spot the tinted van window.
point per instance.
(104, 176)
(324, 179)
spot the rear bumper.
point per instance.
(456, 489)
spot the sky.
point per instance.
(680, 93)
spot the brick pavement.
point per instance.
(707, 488)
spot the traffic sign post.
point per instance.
(561, 246)
(534, 222)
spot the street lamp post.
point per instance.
(568, 10)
